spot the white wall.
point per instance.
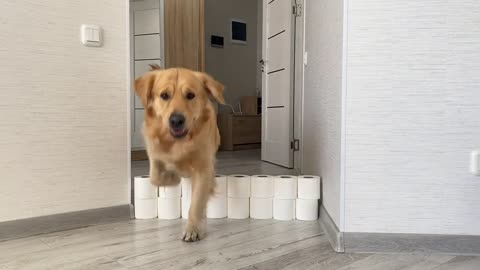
(63, 108)
(413, 109)
(323, 99)
(234, 65)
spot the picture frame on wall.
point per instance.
(238, 31)
(216, 41)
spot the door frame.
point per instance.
(128, 31)
(298, 80)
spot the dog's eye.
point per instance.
(165, 96)
(190, 96)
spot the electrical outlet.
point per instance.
(475, 162)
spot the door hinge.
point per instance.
(297, 10)
(295, 145)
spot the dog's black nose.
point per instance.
(177, 120)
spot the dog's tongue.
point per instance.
(178, 132)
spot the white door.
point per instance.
(146, 37)
(277, 97)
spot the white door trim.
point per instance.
(298, 88)
(129, 98)
(264, 53)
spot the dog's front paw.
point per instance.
(170, 178)
(165, 178)
(192, 233)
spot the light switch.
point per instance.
(95, 35)
(91, 35)
(88, 34)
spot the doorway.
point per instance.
(238, 49)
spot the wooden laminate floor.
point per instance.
(229, 244)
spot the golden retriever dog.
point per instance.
(181, 134)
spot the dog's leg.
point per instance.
(159, 176)
(202, 184)
(156, 170)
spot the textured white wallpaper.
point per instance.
(63, 108)
(413, 116)
(323, 99)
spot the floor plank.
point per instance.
(461, 263)
(320, 256)
(21, 247)
(165, 254)
(398, 261)
(64, 263)
(334, 261)
(113, 231)
(219, 234)
(237, 254)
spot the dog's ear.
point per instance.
(144, 84)
(143, 87)
(213, 87)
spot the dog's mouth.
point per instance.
(178, 133)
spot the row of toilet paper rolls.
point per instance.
(283, 197)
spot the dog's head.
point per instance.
(177, 99)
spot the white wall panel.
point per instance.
(323, 99)
(413, 108)
(63, 108)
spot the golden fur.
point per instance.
(192, 156)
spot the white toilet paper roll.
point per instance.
(186, 201)
(238, 208)
(186, 196)
(170, 191)
(146, 208)
(238, 186)
(306, 209)
(186, 184)
(285, 187)
(283, 209)
(309, 187)
(169, 208)
(217, 206)
(262, 186)
(143, 189)
(221, 184)
(261, 208)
